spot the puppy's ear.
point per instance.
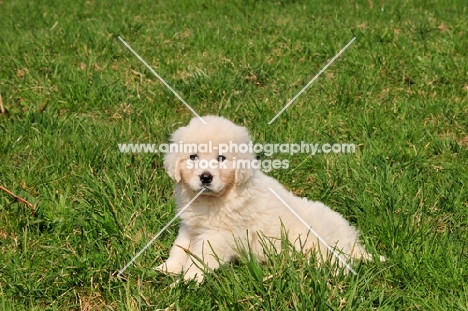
(243, 174)
(171, 164)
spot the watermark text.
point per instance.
(266, 149)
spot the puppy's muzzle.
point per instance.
(206, 178)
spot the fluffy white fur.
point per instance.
(238, 207)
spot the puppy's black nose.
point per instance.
(206, 178)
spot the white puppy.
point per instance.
(237, 207)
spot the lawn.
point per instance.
(71, 92)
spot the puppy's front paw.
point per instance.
(193, 273)
(169, 267)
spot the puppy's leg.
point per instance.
(211, 253)
(359, 252)
(177, 256)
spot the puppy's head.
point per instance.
(211, 156)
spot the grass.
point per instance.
(73, 92)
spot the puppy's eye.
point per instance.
(193, 157)
(221, 158)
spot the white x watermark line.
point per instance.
(159, 233)
(313, 79)
(161, 79)
(315, 233)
